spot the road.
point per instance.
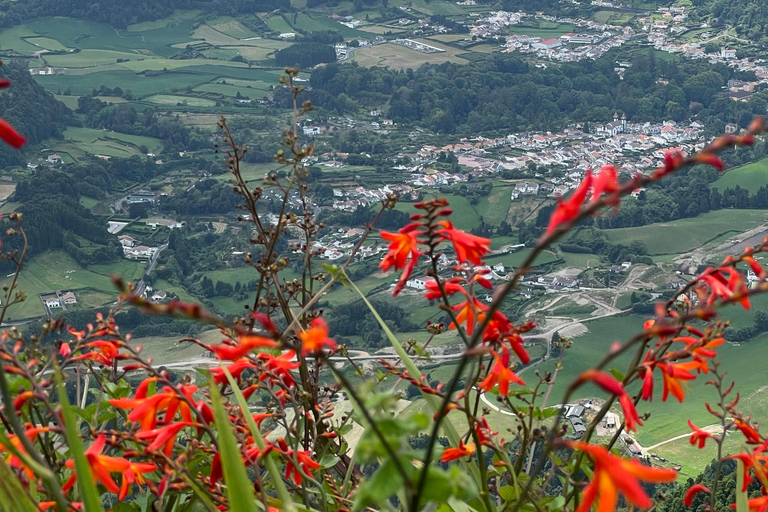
(141, 285)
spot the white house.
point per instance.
(419, 283)
(53, 302)
(54, 159)
(311, 131)
(159, 295)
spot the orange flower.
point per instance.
(568, 210)
(756, 504)
(163, 437)
(146, 410)
(484, 432)
(403, 245)
(279, 368)
(614, 475)
(469, 312)
(501, 374)
(693, 491)
(726, 289)
(246, 343)
(673, 375)
(102, 467)
(316, 337)
(468, 247)
(613, 386)
(14, 461)
(750, 433)
(755, 460)
(699, 436)
(464, 450)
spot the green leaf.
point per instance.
(277, 480)
(742, 500)
(88, 492)
(508, 493)
(385, 482)
(239, 486)
(13, 498)
(617, 374)
(328, 461)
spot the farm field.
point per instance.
(400, 57)
(751, 177)
(683, 235)
(114, 144)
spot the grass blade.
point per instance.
(274, 473)
(88, 491)
(13, 498)
(239, 486)
(742, 500)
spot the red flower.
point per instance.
(614, 475)
(568, 210)
(305, 463)
(613, 386)
(647, 373)
(10, 136)
(235, 369)
(724, 288)
(103, 352)
(246, 343)
(606, 181)
(103, 465)
(316, 337)
(699, 436)
(457, 453)
(484, 432)
(451, 287)
(279, 368)
(14, 461)
(468, 247)
(500, 374)
(403, 245)
(693, 491)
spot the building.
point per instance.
(52, 302)
(159, 295)
(141, 197)
(68, 298)
(547, 44)
(126, 241)
(731, 128)
(727, 54)
(54, 159)
(311, 131)
(419, 283)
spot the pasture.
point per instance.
(399, 57)
(683, 235)
(103, 142)
(751, 177)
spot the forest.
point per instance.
(305, 55)
(121, 14)
(502, 93)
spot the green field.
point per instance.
(47, 273)
(683, 235)
(165, 99)
(278, 24)
(103, 142)
(751, 177)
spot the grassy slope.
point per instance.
(751, 177)
(684, 235)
